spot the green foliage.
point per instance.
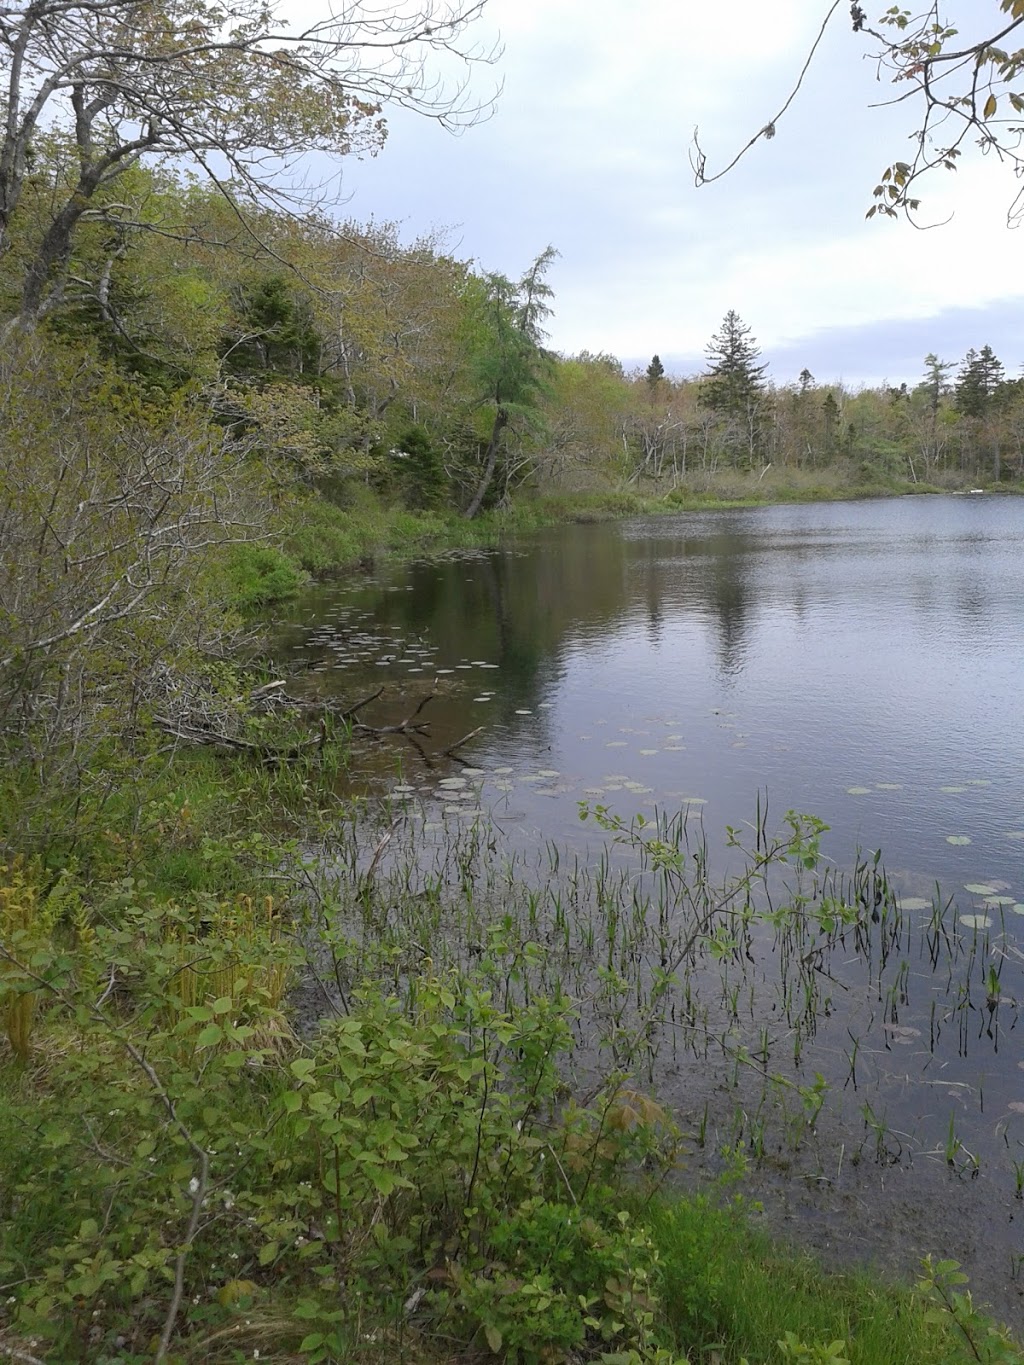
(258, 575)
(943, 1287)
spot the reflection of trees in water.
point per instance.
(729, 594)
(705, 576)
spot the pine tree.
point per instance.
(734, 381)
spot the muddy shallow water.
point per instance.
(863, 662)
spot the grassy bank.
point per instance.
(244, 1113)
(317, 537)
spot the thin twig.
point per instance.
(698, 160)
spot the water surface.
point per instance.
(860, 661)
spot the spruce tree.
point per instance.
(655, 371)
(734, 381)
(979, 377)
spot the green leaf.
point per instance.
(311, 1342)
(494, 1338)
(990, 107)
(268, 1252)
(210, 1036)
(292, 1101)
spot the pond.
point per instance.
(860, 661)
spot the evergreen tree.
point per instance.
(655, 371)
(979, 378)
(935, 384)
(734, 381)
(806, 380)
(979, 388)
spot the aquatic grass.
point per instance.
(731, 1293)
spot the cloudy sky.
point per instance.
(588, 150)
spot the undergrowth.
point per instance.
(192, 1170)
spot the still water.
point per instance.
(860, 661)
(863, 662)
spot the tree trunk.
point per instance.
(491, 460)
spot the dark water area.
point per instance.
(863, 662)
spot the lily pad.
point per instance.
(523, 711)
(998, 900)
(976, 921)
(647, 752)
(952, 790)
(913, 903)
(615, 744)
(858, 791)
(957, 839)
(1018, 907)
(1015, 834)
(980, 888)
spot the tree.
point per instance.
(962, 77)
(113, 513)
(734, 380)
(734, 387)
(980, 376)
(511, 362)
(223, 88)
(655, 371)
(977, 396)
(932, 390)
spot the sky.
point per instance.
(588, 149)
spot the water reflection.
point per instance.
(855, 659)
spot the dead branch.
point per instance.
(450, 751)
(404, 727)
(266, 753)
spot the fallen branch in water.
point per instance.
(404, 727)
(450, 751)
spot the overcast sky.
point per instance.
(588, 148)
